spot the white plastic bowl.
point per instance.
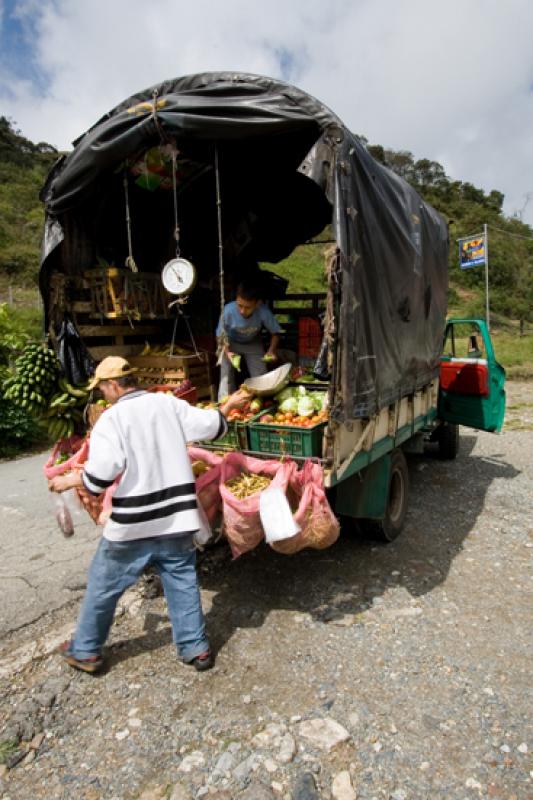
(271, 382)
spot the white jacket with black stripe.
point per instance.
(143, 437)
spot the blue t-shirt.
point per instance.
(242, 329)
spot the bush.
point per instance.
(18, 431)
(17, 328)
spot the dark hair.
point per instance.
(248, 291)
(126, 381)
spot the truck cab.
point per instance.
(471, 387)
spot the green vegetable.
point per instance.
(236, 362)
(290, 404)
(306, 407)
(284, 395)
(320, 400)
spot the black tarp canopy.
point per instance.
(288, 167)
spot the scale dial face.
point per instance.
(179, 276)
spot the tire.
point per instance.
(448, 440)
(389, 528)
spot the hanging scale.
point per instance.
(178, 274)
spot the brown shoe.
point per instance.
(90, 664)
(202, 662)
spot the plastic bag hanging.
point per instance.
(76, 361)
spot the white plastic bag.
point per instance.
(67, 509)
(204, 534)
(276, 515)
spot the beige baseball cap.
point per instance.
(110, 368)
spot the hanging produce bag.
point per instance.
(65, 456)
(76, 361)
(206, 468)
(76, 450)
(319, 526)
(242, 521)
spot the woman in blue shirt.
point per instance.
(242, 321)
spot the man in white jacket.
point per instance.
(143, 438)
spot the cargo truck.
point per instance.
(229, 171)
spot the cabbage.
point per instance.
(306, 407)
(320, 400)
(290, 404)
(285, 394)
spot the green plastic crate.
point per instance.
(237, 435)
(286, 439)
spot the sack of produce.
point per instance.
(319, 526)
(242, 480)
(66, 455)
(71, 454)
(206, 469)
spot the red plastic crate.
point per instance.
(309, 337)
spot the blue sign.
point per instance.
(472, 252)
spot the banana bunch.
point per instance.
(163, 350)
(65, 410)
(36, 374)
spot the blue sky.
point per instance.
(17, 31)
(406, 74)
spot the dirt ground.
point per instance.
(368, 671)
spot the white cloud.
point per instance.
(450, 82)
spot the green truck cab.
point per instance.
(471, 390)
(373, 486)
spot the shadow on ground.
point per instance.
(446, 499)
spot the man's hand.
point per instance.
(63, 482)
(235, 400)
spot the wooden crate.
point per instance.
(173, 369)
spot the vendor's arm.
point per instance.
(201, 424)
(274, 328)
(273, 348)
(63, 482)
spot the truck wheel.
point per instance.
(390, 527)
(448, 439)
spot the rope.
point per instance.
(130, 262)
(175, 192)
(508, 233)
(223, 339)
(155, 118)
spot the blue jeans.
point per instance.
(116, 566)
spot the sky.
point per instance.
(449, 81)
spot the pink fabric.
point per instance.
(208, 484)
(319, 526)
(98, 508)
(242, 523)
(72, 445)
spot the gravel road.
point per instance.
(366, 671)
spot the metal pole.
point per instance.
(487, 313)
